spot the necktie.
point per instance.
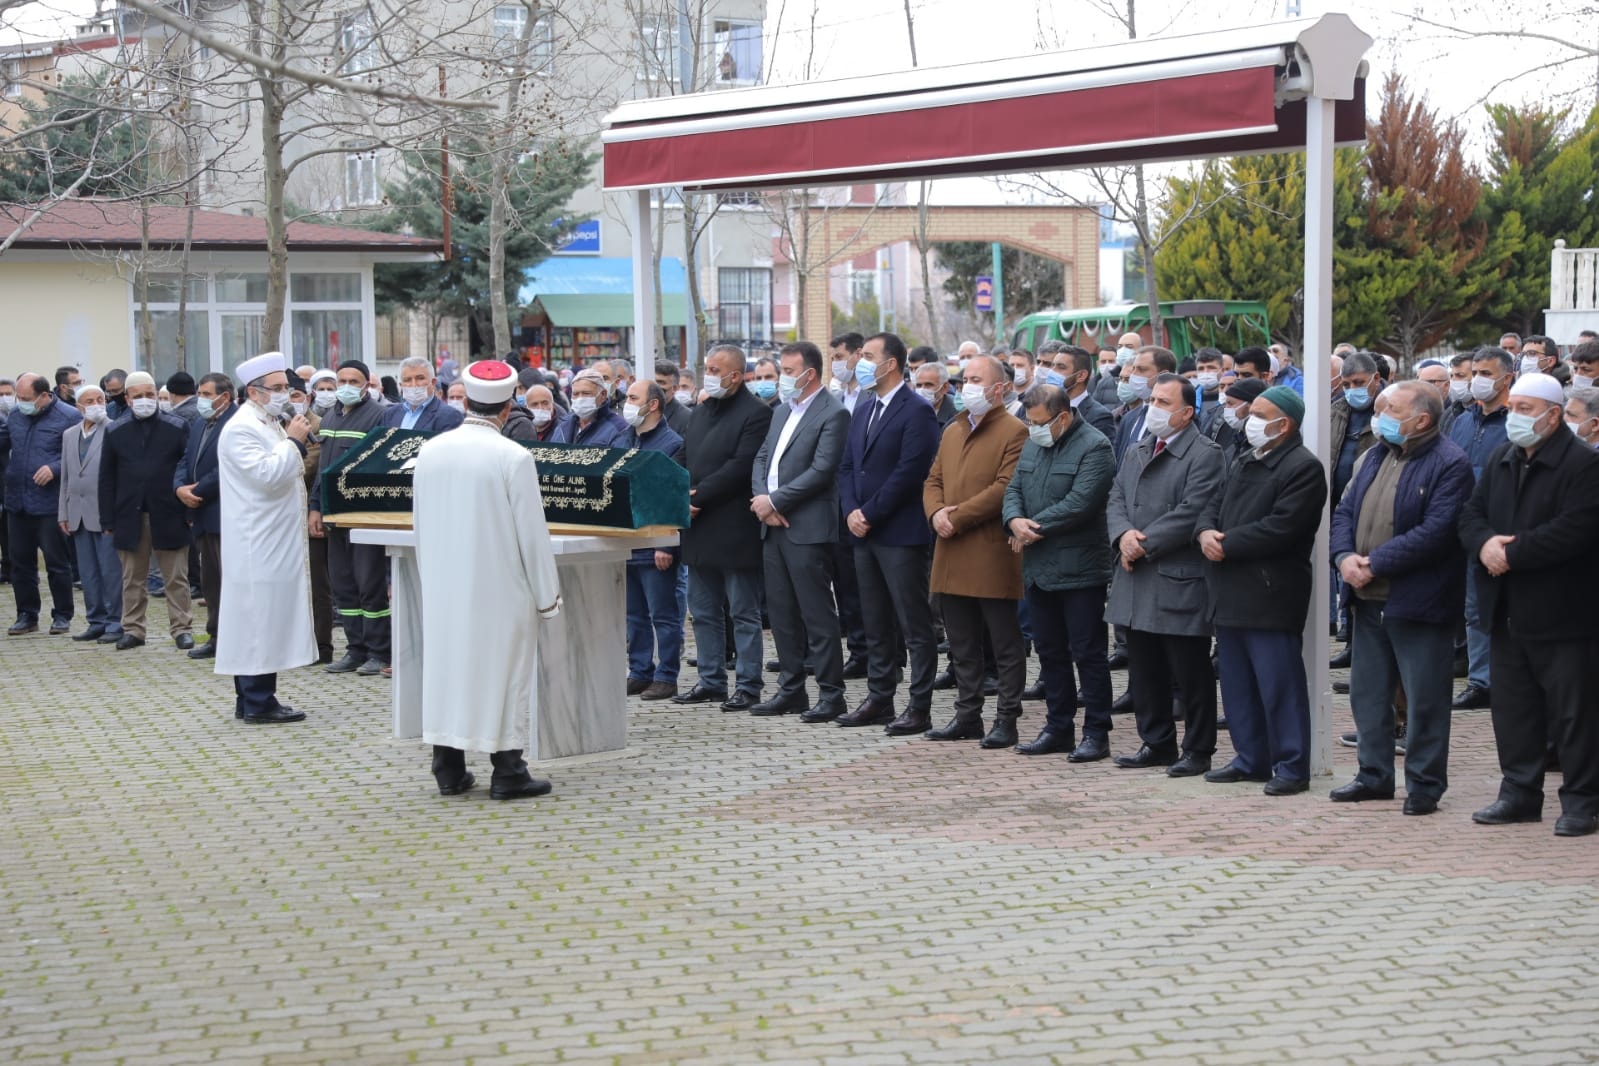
(1160, 446)
(871, 419)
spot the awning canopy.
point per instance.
(598, 292)
(1229, 92)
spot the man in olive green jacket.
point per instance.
(1055, 515)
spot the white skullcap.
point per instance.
(489, 381)
(1539, 387)
(86, 387)
(262, 365)
(137, 378)
(322, 375)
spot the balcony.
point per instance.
(1573, 292)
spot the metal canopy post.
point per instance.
(643, 285)
(1315, 358)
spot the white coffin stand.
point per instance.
(582, 684)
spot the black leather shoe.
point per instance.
(184, 642)
(527, 786)
(822, 712)
(1285, 786)
(1341, 687)
(909, 724)
(1357, 791)
(23, 625)
(128, 640)
(1503, 812)
(780, 705)
(1471, 698)
(1190, 765)
(275, 716)
(1003, 735)
(462, 784)
(1341, 660)
(1046, 743)
(92, 633)
(349, 664)
(1462, 666)
(1036, 692)
(944, 681)
(1123, 704)
(773, 666)
(208, 650)
(109, 637)
(990, 685)
(1576, 825)
(1117, 660)
(870, 711)
(59, 626)
(957, 730)
(854, 668)
(1230, 774)
(1341, 634)
(636, 685)
(1146, 757)
(1420, 805)
(701, 694)
(1092, 749)
(741, 701)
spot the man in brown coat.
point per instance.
(976, 575)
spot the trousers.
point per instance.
(255, 694)
(1069, 631)
(359, 575)
(1156, 662)
(174, 566)
(1267, 698)
(895, 607)
(209, 545)
(32, 535)
(709, 589)
(101, 573)
(967, 619)
(1545, 691)
(1419, 656)
(654, 625)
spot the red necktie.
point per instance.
(1160, 446)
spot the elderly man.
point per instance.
(722, 545)
(1395, 543)
(1286, 373)
(1259, 533)
(1529, 528)
(1510, 342)
(794, 484)
(420, 407)
(98, 566)
(976, 575)
(654, 618)
(199, 489)
(1055, 514)
(1228, 430)
(542, 414)
(1157, 590)
(32, 434)
(932, 385)
(1582, 414)
(1435, 372)
(593, 424)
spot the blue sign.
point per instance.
(585, 239)
(985, 294)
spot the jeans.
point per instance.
(1477, 642)
(654, 626)
(709, 589)
(101, 572)
(1069, 630)
(1419, 656)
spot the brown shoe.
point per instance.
(636, 685)
(658, 690)
(871, 711)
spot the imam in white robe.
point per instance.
(483, 553)
(265, 624)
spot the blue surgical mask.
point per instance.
(764, 389)
(1522, 430)
(520, 401)
(866, 375)
(28, 407)
(1049, 377)
(958, 400)
(1388, 428)
(1126, 393)
(204, 406)
(349, 395)
(1359, 399)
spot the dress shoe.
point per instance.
(870, 711)
(1146, 757)
(23, 625)
(527, 786)
(1092, 749)
(1190, 765)
(1357, 791)
(183, 642)
(1221, 723)
(1123, 704)
(1503, 812)
(109, 637)
(92, 633)
(823, 712)
(1003, 735)
(692, 660)
(956, 729)
(702, 694)
(943, 647)
(1471, 698)
(1420, 805)
(773, 666)
(275, 716)
(909, 724)
(1341, 687)
(635, 685)
(1285, 786)
(1341, 660)
(1576, 825)
(1117, 660)
(1046, 743)
(59, 626)
(208, 650)
(1230, 775)
(462, 784)
(741, 701)
(1341, 634)
(1462, 666)
(658, 690)
(159, 594)
(1036, 692)
(990, 685)
(854, 668)
(349, 664)
(780, 705)
(128, 640)
(944, 681)
(370, 668)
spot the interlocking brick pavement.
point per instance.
(178, 887)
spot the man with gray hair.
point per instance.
(420, 407)
(932, 385)
(8, 403)
(593, 423)
(1582, 414)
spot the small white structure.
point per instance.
(1573, 293)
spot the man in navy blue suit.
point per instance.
(420, 406)
(199, 487)
(893, 437)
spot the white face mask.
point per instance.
(276, 402)
(1529, 364)
(1042, 436)
(1459, 390)
(325, 399)
(1255, 432)
(975, 399)
(144, 407)
(459, 405)
(1158, 422)
(95, 413)
(8, 403)
(584, 406)
(713, 387)
(1125, 356)
(840, 370)
(1580, 381)
(1021, 377)
(1483, 389)
(415, 395)
(684, 397)
(1207, 380)
(1230, 415)
(930, 395)
(633, 415)
(541, 417)
(164, 406)
(1140, 385)
(375, 393)
(296, 407)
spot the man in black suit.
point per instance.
(1074, 367)
(795, 486)
(892, 440)
(722, 545)
(199, 489)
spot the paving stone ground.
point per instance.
(177, 887)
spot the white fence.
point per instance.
(1573, 278)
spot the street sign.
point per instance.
(985, 294)
(585, 239)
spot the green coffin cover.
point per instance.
(620, 488)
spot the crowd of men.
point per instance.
(877, 507)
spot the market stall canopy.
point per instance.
(598, 292)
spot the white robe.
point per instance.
(483, 552)
(265, 624)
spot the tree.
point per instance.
(1030, 282)
(73, 136)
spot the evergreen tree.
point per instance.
(1031, 282)
(74, 130)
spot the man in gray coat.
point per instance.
(794, 485)
(99, 567)
(1157, 590)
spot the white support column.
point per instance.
(1318, 403)
(643, 352)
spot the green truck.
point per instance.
(1190, 325)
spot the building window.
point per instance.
(357, 50)
(744, 198)
(11, 76)
(735, 52)
(361, 176)
(744, 310)
(658, 49)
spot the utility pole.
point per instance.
(999, 296)
(685, 66)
